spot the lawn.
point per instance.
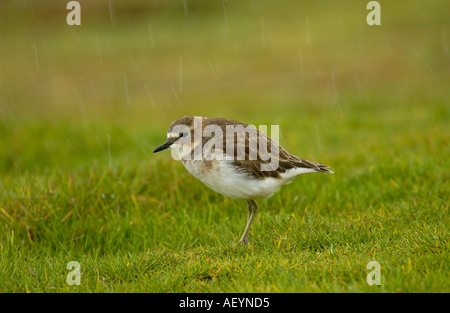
(83, 107)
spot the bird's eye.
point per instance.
(181, 135)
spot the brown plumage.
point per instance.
(251, 166)
(286, 160)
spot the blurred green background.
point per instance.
(139, 65)
(82, 108)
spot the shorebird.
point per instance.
(239, 162)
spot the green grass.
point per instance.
(79, 121)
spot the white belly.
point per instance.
(222, 177)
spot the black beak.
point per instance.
(164, 146)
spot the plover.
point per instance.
(239, 161)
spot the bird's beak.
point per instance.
(164, 146)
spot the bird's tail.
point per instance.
(318, 167)
(324, 168)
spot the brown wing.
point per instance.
(249, 157)
(286, 160)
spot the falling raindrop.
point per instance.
(357, 40)
(12, 100)
(110, 10)
(213, 69)
(4, 118)
(430, 69)
(150, 96)
(358, 85)
(150, 31)
(67, 139)
(319, 143)
(263, 35)
(444, 40)
(91, 86)
(134, 62)
(154, 104)
(166, 95)
(80, 101)
(226, 18)
(244, 16)
(109, 150)
(36, 55)
(308, 35)
(175, 94)
(99, 51)
(126, 88)
(336, 95)
(185, 8)
(181, 73)
(300, 57)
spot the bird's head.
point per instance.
(180, 132)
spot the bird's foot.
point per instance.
(242, 242)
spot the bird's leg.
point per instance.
(252, 208)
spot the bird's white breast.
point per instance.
(223, 177)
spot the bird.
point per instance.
(239, 161)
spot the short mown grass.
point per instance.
(139, 222)
(82, 111)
